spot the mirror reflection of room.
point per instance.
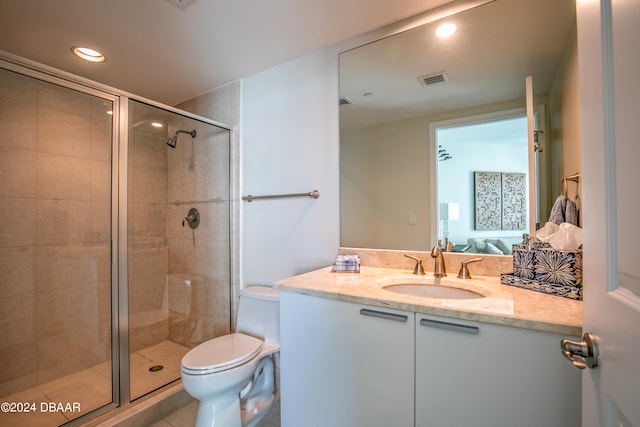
(391, 189)
(482, 194)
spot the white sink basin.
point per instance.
(431, 288)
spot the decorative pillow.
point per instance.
(500, 245)
(471, 243)
(482, 246)
(493, 249)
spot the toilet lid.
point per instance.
(221, 353)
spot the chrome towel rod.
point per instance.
(313, 194)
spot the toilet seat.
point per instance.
(221, 354)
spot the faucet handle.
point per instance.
(464, 270)
(418, 268)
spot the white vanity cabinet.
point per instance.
(486, 375)
(353, 365)
(345, 364)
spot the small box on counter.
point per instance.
(347, 264)
(547, 270)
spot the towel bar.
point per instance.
(573, 178)
(313, 194)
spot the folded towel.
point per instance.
(557, 211)
(350, 263)
(571, 212)
(564, 210)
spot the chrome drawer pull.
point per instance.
(384, 315)
(456, 327)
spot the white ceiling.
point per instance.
(160, 51)
(496, 46)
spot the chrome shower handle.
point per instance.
(192, 218)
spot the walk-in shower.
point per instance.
(102, 289)
(171, 142)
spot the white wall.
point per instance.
(565, 139)
(385, 178)
(378, 196)
(290, 145)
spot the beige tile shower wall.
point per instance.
(17, 233)
(54, 232)
(147, 182)
(199, 264)
(204, 306)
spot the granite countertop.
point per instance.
(502, 304)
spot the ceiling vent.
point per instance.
(344, 100)
(433, 79)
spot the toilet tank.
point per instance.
(259, 313)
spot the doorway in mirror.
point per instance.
(491, 145)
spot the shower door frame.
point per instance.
(120, 366)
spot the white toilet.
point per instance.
(235, 377)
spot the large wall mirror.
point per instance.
(433, 132)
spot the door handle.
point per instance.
(583, 354)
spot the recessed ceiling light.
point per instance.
(182, 4)
(446, 30)
(156, 124)
(88, 54)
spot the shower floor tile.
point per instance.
(166, 354)
(92, 387)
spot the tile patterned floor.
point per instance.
(92, 387)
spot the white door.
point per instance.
(608, 38)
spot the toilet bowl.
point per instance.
(235, 376)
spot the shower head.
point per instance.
(171, 142)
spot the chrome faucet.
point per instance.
(439, 269)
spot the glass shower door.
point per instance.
(55, 264)
(178, 241)
(90, 241)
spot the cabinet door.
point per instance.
(345, 365)
(484, 375)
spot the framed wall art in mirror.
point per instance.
(500, 200)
